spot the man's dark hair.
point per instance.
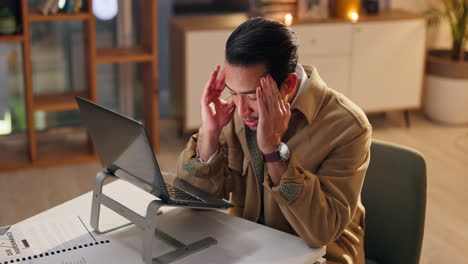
(262, 40)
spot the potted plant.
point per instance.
(446, 95)
(7, 21)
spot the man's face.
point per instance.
(242, 83)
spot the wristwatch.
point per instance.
(280, 154)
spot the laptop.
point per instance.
(124, 151)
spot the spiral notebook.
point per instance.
(65, 240)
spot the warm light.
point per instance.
(347, 9)
(354, 16)
(288, 19)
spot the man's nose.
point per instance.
(242, 106)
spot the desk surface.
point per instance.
(239, 240)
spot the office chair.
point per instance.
(394, 195)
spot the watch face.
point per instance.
(283, 151)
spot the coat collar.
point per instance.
(311, 99)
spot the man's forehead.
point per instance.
(253, 91)
(244, 79)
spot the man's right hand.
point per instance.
(215, 114)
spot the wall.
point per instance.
(438, 36)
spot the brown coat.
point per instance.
(329, 140)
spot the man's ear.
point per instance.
(289, 85)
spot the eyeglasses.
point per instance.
(228, 95)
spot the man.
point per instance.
(295, 154)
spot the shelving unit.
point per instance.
(11, 38)
(57, 101)
(46, 149)
(123, 55)
(60, 17)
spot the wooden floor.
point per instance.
(27, 192)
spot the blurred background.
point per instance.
(401, 61)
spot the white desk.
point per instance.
(239, 240)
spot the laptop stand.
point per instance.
(147, 223)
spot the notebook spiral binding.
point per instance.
(54, 252)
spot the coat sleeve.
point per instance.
(320, 205)
(218, 177)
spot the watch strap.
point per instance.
(272, 157)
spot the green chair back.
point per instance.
(394, 195)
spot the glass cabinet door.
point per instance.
(60, 135)
(121, 88)
(13, 138)
(57, 56)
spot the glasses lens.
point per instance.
(226, 96)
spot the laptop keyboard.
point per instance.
(178, 194)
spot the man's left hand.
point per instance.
(274, 115)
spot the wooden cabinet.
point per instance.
(387, 64)
(327, 47)
(377, 62)
(212, 42)
(44, 148)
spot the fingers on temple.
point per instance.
(260, 99)
(209, 92)
(275, 91)
(282, 106)
(274, 96)
(220, 81)
(265, 95)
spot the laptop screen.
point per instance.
(123, 146)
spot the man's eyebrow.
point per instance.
(249, 92)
